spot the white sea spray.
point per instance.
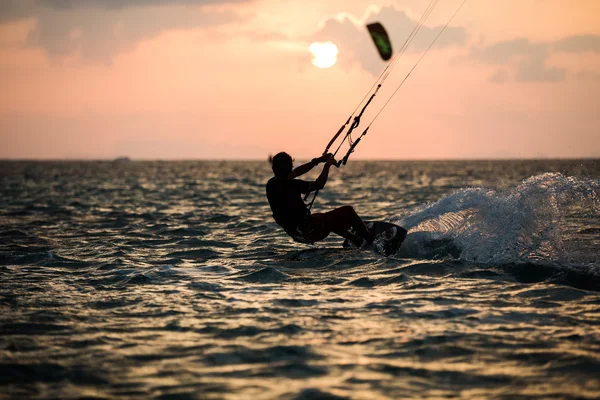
(520, 224)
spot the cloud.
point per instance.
(16, 9)
(70, 4)
(350, 34)
(502, 52)
(528, 61)
(534, 69)
(500, 76)
(578, 44)
(100, 29)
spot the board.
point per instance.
(387, 239)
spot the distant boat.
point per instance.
(122, 159)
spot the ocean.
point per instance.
(170, 280)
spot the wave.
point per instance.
(527, 223)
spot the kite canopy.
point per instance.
(381, 39)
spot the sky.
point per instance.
(233, 79)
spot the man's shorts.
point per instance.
(322, 224)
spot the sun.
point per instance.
(324, 54)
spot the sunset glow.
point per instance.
(202, 79)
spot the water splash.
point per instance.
(528, 223)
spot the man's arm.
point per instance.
(304, 168)
(322, 179)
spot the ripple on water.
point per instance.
(196, 254)
(265, 275)
(313, 394)
(296, 302)
(50, 373)
(274, 361)
(362, 282)
(248, 331)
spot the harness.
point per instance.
(302, 235)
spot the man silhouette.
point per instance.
(284, 193)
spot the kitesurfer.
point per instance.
(284, 193)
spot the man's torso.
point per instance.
(285, 199)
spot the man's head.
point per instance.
(282, 165)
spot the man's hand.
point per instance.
(322, 179)
(330, 160)
(324, 157)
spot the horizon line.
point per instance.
(143, 159)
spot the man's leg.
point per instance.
(342, 218)
(319, 228)
(351, 236)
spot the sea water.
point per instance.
(170, 280)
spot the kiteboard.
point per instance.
(388, 237)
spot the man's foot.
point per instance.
(390, 233)
(371, 238)
(361, 243)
